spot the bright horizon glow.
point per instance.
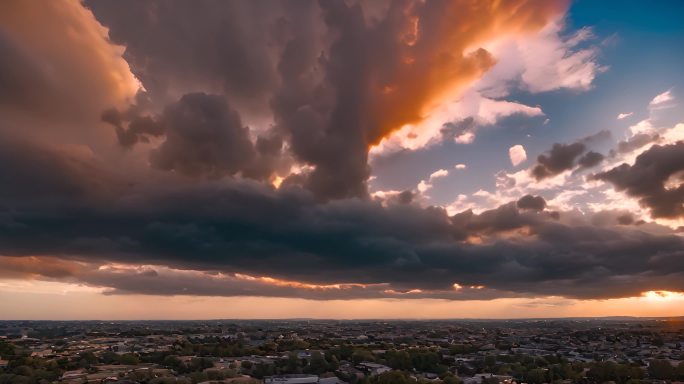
(61, 301)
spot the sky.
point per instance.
(341, 159)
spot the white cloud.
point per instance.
(423, 186)
(426, 185)
(465, 138)
(517, 154)
(673, 135)
(573, 193)
(643, 126)
(661, 99)
(439, 173)
(624, 115)
(543, 62)
(460, 166)
(483, 110)
(539, 62)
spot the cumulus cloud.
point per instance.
(655, 179)
(331, 98)
(58, 72)
(248, 228)
(573, 189)
(59, 47)
(241, 228)
(425, 185)
(536, 203)
(624, 115)
(202, 136)
(517, 154)
(637, 141)
(564, 157)
(590, 159)
(560, 158)
(438, 173)
(239, 93)
(567, 62)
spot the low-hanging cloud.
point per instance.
(247, 228)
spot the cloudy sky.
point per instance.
(332, 159)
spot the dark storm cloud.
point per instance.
(536, 203)
(46, 175)
(22, 83)
(655, 179)
(333, 80)
(590, 159)
(199, 45)
(564, 157)
(335, 77)
(245, 227)
(560, 158)
(635, 142)
(202, 136)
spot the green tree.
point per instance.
(536, 376)
(661, 369)
(262, 370)
(318, 363)
(172, 361)
(128, 359)
(292, 365)
(399, 360)
(361, 355)
(334, 363)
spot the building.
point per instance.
(292, 379)
(373, 369)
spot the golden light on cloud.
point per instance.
(69, 55)
(297, 284)
(277, 180)
(439, 57)
(662, 295)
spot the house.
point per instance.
(373, 369)
(292, 379)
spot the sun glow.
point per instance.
(662, 295)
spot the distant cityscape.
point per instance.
(535, 351)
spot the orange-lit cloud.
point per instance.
(297, 284)
(438, 54)
(60, 62)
